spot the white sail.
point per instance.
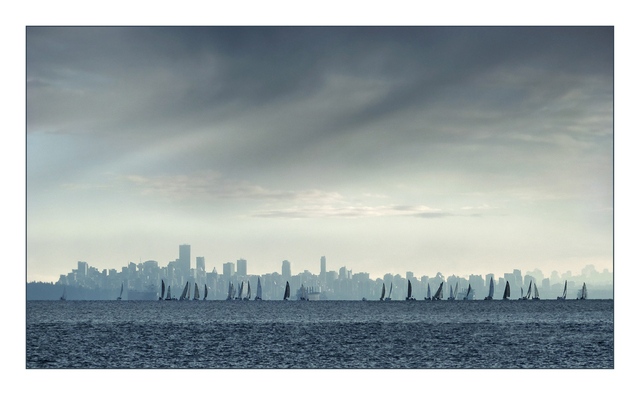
(189, 291)
(584, 291)
(161, 291)
(64, 294)
(382, 296)
(529, 291)
(206, 292)
(451, 292)
(259, 291)
(536, 295)
(564, 294)
(121, 289)
(248, 291)
(455, 293)
(390, 290)
(168, 293)
(196, 294)
(428, 291)
(241, 289)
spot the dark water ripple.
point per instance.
(308, 335)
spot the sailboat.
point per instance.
(168, 293)
(206, 292)
(428, 297)
(248, 297)
(196, 294)
(521, 294)
(564, 294)
(469, 295)
(64, 294)
(229, 296)
(383, 290)
(240, 292)
(184, 291)
(287, 291)
(409, 292)
(453, 294)
(233, 291)
(121, 289)
(438, 295)
(162, 291)
(303, 293)
(583, 295)
(536, 295)
(259, 291)
(490, 297)
(189, 291)
(528, 296)
(388, 298)
(507, 292)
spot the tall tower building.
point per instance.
(185, 259)
(242, 267)
(286, 270)
(228, 270)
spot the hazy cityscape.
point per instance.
(142, 281)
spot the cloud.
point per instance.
(347, 211)
(211, 186)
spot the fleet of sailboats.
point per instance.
(302, 294)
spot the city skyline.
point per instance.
(388, 149)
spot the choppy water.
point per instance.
(326, 334)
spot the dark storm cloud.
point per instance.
(271, 94)
(194, 71)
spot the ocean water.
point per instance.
(326, 334)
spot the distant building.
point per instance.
(228, 270)
(83, 267)
(185, 259)
(286, 270)
(242, 267)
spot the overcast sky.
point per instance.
(453, 150)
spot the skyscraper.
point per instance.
(185, 259)
(228, 270)
(286, 270)
(242, 267)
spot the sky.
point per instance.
(386, 149)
